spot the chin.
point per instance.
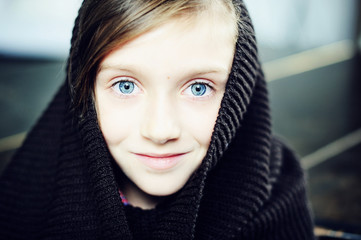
(161, 190)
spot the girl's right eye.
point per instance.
(125, 87)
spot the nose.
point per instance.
(160, 123)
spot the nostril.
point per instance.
(161, 135)
(161, 142)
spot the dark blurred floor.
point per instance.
(309, 110)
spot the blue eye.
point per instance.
(198, 89)
(126, 87)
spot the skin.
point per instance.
(157, 99)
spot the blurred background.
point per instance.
(310, 51)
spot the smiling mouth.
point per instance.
(160, 162)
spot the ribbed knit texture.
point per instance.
(61, 184)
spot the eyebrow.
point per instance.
(197, 71)
(115, 67)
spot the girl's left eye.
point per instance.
(125, 87)
(198, 89)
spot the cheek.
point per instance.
(110, 127)
(200, 122)
(116, 123)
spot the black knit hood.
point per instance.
(249, 186)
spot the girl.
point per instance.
(162, 131)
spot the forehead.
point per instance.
(179, 44)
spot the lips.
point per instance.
(160, 162)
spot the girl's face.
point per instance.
(157, 100)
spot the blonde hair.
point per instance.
(107, 24)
